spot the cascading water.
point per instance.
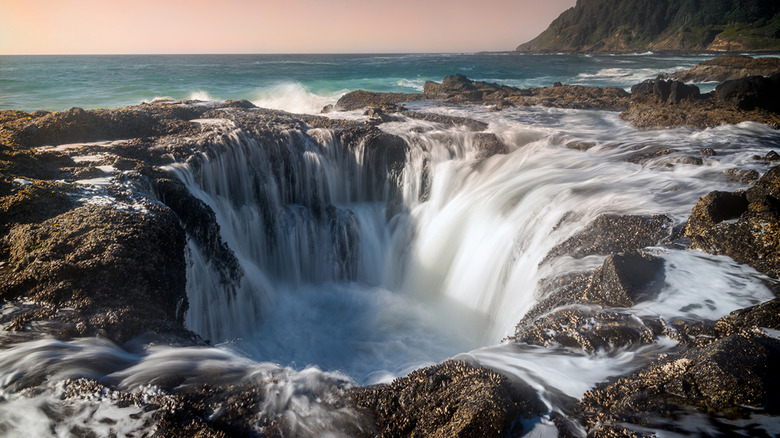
(332, 278)
(369, 278)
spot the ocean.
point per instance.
(295, 83)
(447, 276)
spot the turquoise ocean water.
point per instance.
(297, 83)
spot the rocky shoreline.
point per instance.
(108, 262)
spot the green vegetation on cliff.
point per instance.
(638, 25)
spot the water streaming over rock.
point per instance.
(372, 270)
(354, 265)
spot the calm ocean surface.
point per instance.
(296, 83)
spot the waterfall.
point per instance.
(374, 273)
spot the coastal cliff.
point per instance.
(625, 26)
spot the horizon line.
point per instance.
(261, 53)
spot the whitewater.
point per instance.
(349, 279)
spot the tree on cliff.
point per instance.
(633, 25)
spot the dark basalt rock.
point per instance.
(766, 315)
(458, 88)
(771, 156)
(610, 234)
(483, 144)
(385, 153)
(216, 407)
(743, 176)
(648, 154)
(447, 400)
(589, 328)
(448, 121)
(754, 238)
(200, 223)
(714, 208)
(725, 68)
(751, 93)
(78, 125)
(659, 91)
(657, 156)
(658, 103)
(733, 376)
(35, 202)
(360, 99)
(708, 152)
(96, 270)
(626, 279)
(487, 145)
(557, 292)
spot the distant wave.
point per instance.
(200, 95)
(627, 75)
(416, 84)
(295, 98)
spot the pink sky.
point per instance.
(270, 26)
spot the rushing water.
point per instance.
(342, 286)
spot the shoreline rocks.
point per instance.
(744, 226)
(725, 68)
(447, 400)
(655, 103)
(91, 270)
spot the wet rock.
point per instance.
(448, 121)
(216, 407)
(34, 202)
(588, 329)
(770, 156)
(765, 315)
(751, 93)
(560, 291)
(580, 145)
(732, 376)
(97, 270)
(658, 103)
(708, 152)
(724, 68)
(687, 160)
(714, 208)
(446, 400)
(649, 154)
(609, 234)
(754, 238)
(78, 125)
(458, 88)
(200, 223)
(360, 99)
(455, 86)
(502, 104)
(385, 153)
(575, 97)
(487, 145)
(704, 113)
(626, 279)
(242, 103)
(743, 176)
(659, 91)
(567, 316)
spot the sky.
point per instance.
(270, 26)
